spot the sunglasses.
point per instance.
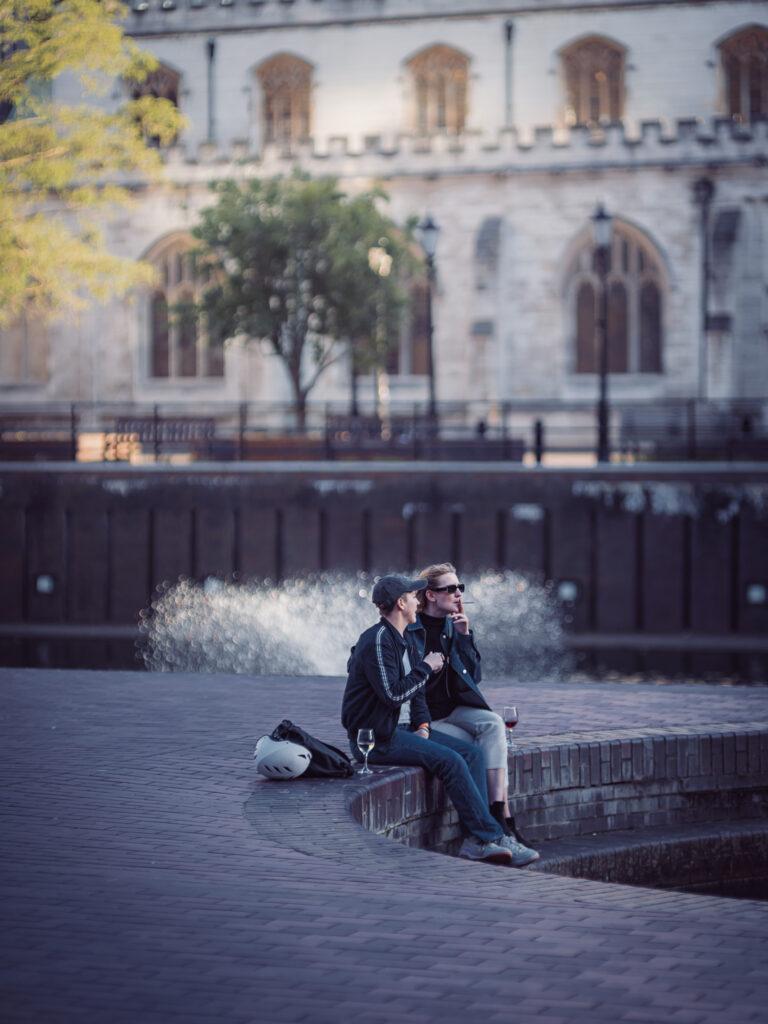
(450, 589)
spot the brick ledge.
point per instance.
(573, 785)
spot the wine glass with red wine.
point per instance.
(511, 719)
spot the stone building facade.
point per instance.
(508, 123)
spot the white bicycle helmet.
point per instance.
(280, 759)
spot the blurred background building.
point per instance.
(509, 124)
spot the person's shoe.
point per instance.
(492, 853)
(521, 855)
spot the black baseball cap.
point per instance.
(389, 588)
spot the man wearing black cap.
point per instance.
(385, 671)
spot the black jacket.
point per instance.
(458, 683)
(378, 686)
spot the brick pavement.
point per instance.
(149, 876)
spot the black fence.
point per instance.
(680, 430)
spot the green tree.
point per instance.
(305, 269)
(63, 166)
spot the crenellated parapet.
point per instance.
(687, 143)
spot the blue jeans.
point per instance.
(459, 765)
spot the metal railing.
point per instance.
(534, 431)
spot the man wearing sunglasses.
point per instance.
(456, 705)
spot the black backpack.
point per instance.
(327, 762)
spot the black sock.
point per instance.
(497, 811)
(510, 823)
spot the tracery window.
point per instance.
(439, 77)
(179, 346)
(635, 285)
(410, 355)
(413, 356)
(162, 83)
(744, 57)
(6, 106)
(40, 88)
(24, 351)
(594, 81)
(286, 84)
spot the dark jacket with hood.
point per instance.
(457, 684)
(378, 684)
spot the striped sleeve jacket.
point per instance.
(378, 683)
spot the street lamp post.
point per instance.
(354, 409)
(429, 231)
(602, 229)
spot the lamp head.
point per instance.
(429, 231)
(703, 190)
(602, 228)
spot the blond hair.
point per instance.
(432, 574)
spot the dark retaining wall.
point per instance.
(706, 856)
(666, 550)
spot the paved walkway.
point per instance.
(149, 876)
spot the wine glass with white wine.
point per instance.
(366, 741)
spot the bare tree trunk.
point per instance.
(300, 409)
(299, 399)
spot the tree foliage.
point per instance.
(63, 166)
(307, 270)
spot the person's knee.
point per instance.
(475, 758)
(493, 724)
(492, 732)
(449, 763)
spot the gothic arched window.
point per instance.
(24, 351)
(594, 81)
(416, 340)
(410, 355)
(634, 305)
(286, 84)
(7, 51)
(744, 57)
(586, 354)
(439, 77)
(162, 83)
(179, 346)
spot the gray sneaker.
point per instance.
(521, 855)
(492, 853)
